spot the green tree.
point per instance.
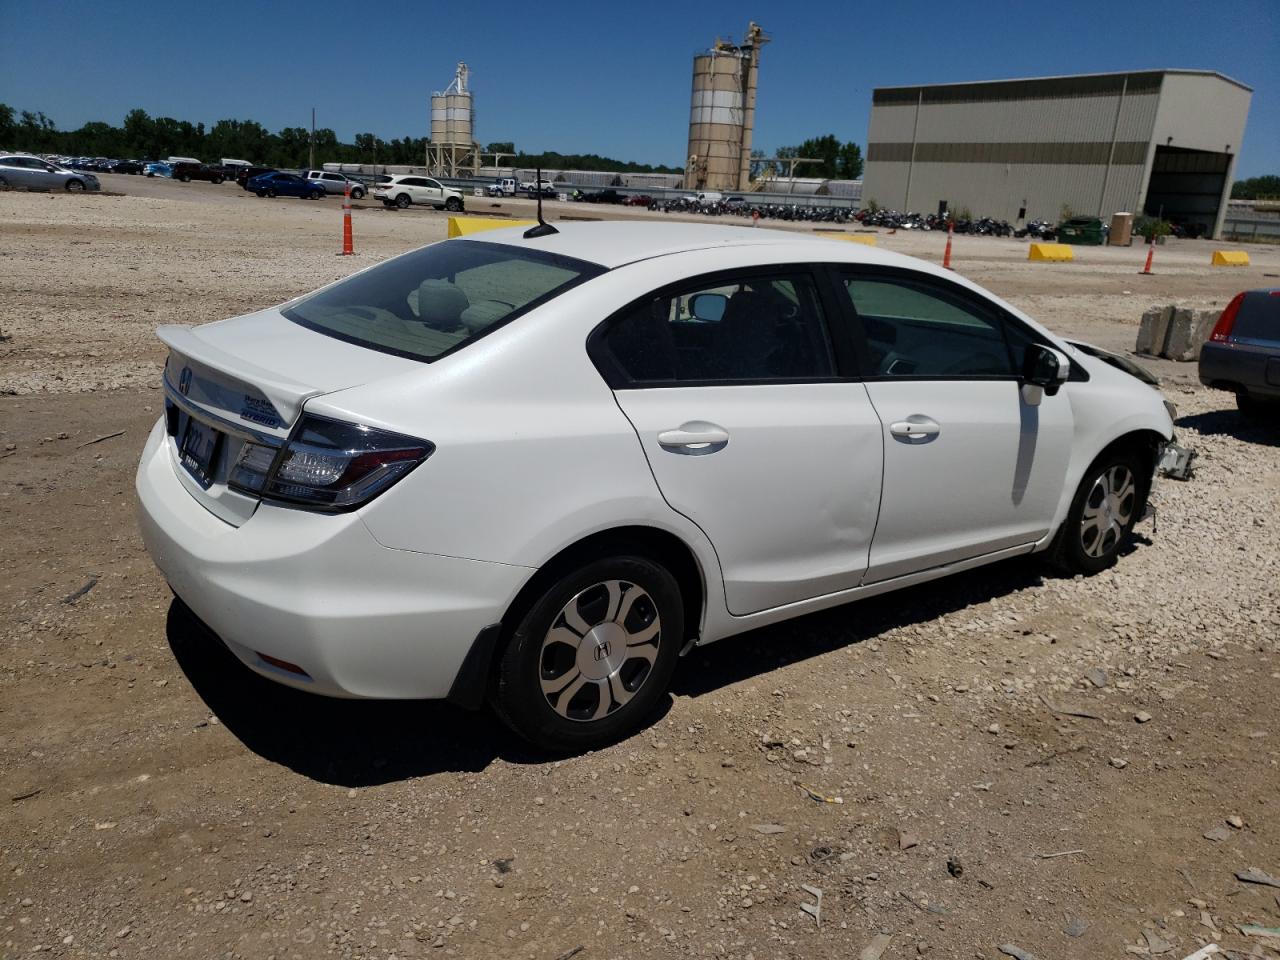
(849, 162)
(1250, 189)
(8, 126)
(502, 146)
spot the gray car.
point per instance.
(25, 172)
(1243, 352)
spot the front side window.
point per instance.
(432, 301)
(730, 330)
(919, 330)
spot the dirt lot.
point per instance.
(1096, 759)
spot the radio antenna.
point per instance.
(543, 229)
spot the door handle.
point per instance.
(697, 438)
(917, 428)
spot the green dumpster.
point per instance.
(1083, 231)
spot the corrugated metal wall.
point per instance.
(995, 148)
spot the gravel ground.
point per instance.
(1078, 767)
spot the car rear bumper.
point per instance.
(318, 592)
(1232, 366)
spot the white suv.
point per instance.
(535, 468)
(404, 190)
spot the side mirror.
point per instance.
(708, 307)
(1045, 368)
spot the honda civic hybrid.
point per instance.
(531, 469)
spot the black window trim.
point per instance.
(842, 361)
(586, 271)
(857, 333)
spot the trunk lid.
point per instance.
(246, 380)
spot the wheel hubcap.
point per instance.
(600, 650)
(1107, 511)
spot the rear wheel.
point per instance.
(592, 657)
(185, 178)
(1102, 515)
(75, 186)
(403, 201)
(270, 192)
(1251, 408)
(217, 179)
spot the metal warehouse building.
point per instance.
(1162, 140)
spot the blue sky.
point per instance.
(592, 77)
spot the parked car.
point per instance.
(157, 168)
(285, 185)
(187, 172)
(536, 470)
(27, 172)
(502, 187)
(245, 174)
(403, 190)
(1242, 353)
(336, 183)
(604, 196)
(639, 200)
(127, 166)
(545, 187)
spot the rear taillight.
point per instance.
(1226, 322)
(327, 464)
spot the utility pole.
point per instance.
(311, 151)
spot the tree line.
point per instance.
(1255, 187)
(144, 137)
(832, 160)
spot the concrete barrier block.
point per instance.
(1206, 320)
(1230, 258)
(1050, 252)
(462, 226)
(1179, 343)
(1153, 330)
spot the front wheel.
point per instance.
(453, 204)
(217, 179)
(313, 195)
(593, 655)
(1102, 515)
(75, 186)
(357, 194)
(271, 193)
(184, 178)
(403, 201)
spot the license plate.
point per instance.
(199, 451)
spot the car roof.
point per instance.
(615, 243)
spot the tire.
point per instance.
(453, 204)
(314, 195)
(403, 201)
(261, 193)
(1103, 512)
(1253, 409)
(184, 178)
(572, 677)
(217, 179)
(271, 192)
(74, 186)
(357, 194)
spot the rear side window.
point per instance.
(435, 300)
(729, 330)
(921, 331)
(1259, 317)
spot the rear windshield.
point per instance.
(1259, 316)
(435, 300)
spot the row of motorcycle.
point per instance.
(888, 219)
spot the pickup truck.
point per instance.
(335, 182)
(503, 187)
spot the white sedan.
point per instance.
(404, 190)
(533, 470)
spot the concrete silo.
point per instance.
(452, 150)
(722, 113)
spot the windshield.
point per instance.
(435, 300)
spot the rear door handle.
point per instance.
(697, 438)
(917, 428)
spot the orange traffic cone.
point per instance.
(1151, 250)
(347, 248)
(946, 257)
